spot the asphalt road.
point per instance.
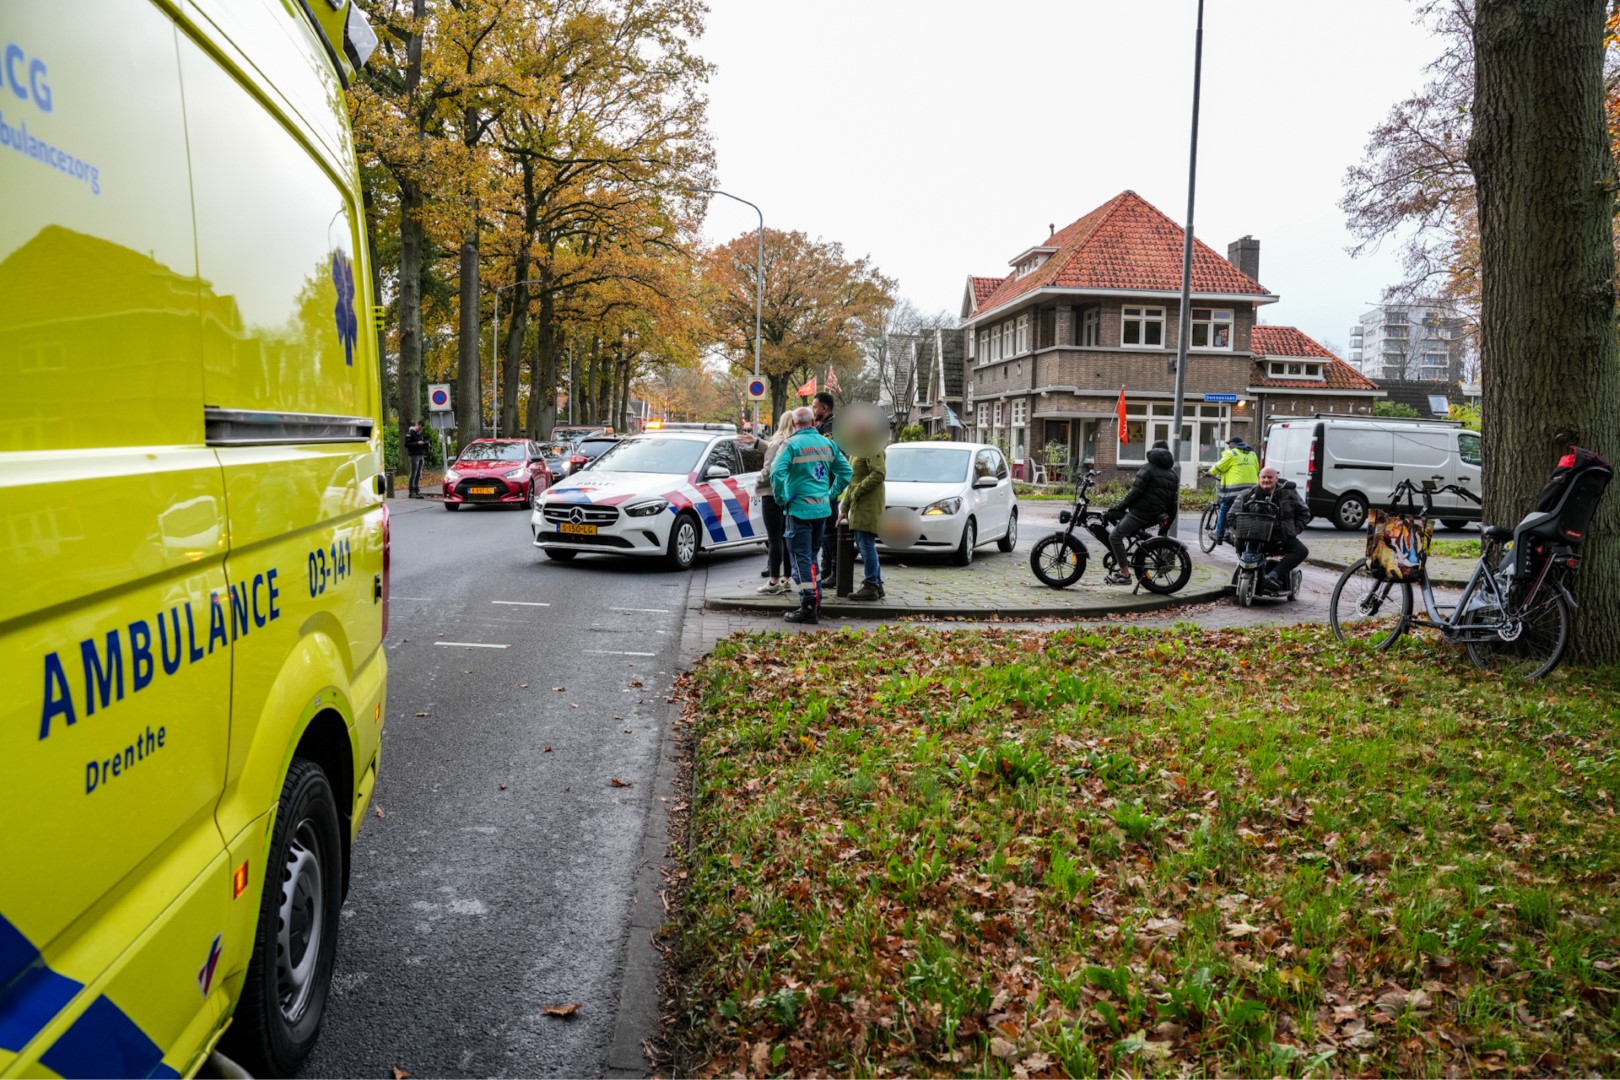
(497, 880)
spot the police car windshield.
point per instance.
(652, 455)
(492, 451)
(927, 465)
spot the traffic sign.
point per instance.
(757, 389)
(1226, 399)
(439, 397)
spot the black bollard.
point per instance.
(844, 568)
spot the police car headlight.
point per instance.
(451, 476)
(517, 474)
(647, 509)
(943, 508)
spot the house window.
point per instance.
(998, 414)
(1211, 328)
(1438, 405)
(1007, 339)
(1021, 344)
(1019, 412)
(1142, 326)
(1091, 326)
(1295, 369)
(984, 346)
(970, 352)
(984, 417)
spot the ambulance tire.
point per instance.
(306, 850)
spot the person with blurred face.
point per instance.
(863, 501)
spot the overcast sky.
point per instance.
(941, 138)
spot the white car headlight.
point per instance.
(647, 509)
(517, 474)
(943, 508)
(451, 476)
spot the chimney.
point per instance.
(1245, 255)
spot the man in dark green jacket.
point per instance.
(808, 475)
(862, 507)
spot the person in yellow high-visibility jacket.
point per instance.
(1238, 470)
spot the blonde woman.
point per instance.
(778, 570)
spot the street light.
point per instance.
(759, 280)
(495, 352)
(1184, 330)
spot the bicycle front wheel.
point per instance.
(1369, 609)
(1058, 560)
(1162, 564)
(1540, 635)
(1206, 528)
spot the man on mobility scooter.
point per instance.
(1269, 548)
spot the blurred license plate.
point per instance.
(481, 491)
(581, 530)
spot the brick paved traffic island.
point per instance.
(995, 585)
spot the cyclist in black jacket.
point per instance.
(1154, 496)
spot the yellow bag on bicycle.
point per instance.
(1397, 545)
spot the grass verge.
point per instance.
(1253, 852)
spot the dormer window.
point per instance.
(1211, 328)
(1295, 369)
(1030, 265)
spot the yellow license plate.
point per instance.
(481, 491)
(578, 530)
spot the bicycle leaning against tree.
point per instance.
(1513, 615)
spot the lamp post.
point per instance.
(1185, 325)
(495, 352)
(759, 280)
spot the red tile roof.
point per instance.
(982, 288)
(1126, 243)
(1273, 341)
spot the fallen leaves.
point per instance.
(376, 808)
(561, 1010)
(398, 1073)
(616, 782)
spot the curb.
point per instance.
(1338, 567)
(1144, 601)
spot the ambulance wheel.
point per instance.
(295, 941)
(683, 543)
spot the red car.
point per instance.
(496, 472)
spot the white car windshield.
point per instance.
(652, 455)
(927, 464)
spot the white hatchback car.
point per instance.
(668, 493)
(962, 494)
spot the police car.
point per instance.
(667, 493)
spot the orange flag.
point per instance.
(808, 388)
(1124, 430)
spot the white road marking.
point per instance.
(649, 610)
(475, 645)
(520, 603)
(613, 652)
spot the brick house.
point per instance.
(1296, 376)
(1095, 307)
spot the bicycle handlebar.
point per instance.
(1408, 489)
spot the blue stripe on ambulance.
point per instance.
(103, 1041)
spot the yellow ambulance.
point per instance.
(193, 543)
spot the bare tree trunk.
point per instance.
(512, 360)
(410, 306)
(1540, 158)
(542, 415)
(469, 367)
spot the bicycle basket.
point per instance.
(1397, 545)
(1251, 526)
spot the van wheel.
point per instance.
(1350, 512)
(1454, 524)
(296, 937)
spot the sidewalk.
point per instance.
(996, 585)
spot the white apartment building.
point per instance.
(1408, 342)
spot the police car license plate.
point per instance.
(580, 530)
(481, 491)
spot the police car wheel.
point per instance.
(683, 543)
(295, 940)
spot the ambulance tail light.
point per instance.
(388, 556)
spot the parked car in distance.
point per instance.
(589, 449)
(496, 472)
(572, 433)
(1343, 465)
(962, 494)
(556, 455)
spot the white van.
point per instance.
(1344, 465)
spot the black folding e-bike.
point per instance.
(1160, 563)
